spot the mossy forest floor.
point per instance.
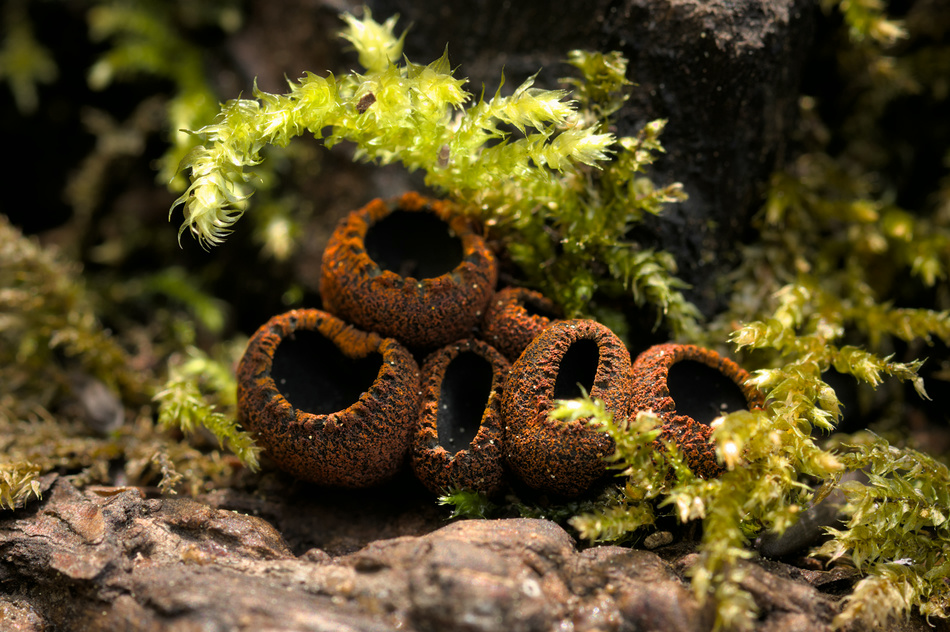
(815, 243)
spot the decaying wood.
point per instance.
(112, 559)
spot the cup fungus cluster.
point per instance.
(337, 397)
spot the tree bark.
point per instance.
(113, 559)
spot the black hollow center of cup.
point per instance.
(463, 398)
(314, 375)
(577, 370)
(702, 392)
(536, 309)
(413, 244)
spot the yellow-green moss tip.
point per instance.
(532, 186)
(183, 405)
(18, 483)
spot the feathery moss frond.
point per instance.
(868, 20)
(466, 503)
(144, 40)
(898, 532)
(803, 331)
(183, 405)
(630, 507)
(374, 42)
(765, 460)
(561, 192)
(18, 481)
(394, 112)
(45, 311)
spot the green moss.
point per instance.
(48, 326)
(867, 20)
(816, 293)
(145, 40)
(467, 504)
(897, 533)
(532, 165)
(174, 283)
(767, 460)
(646, 474)
(18, 481)
(51, 343)
(183, 405)
(24, 62)
(558, 192)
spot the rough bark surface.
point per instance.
(112, 559)
(725, 74)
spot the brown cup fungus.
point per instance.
(514, 317)
(408, 269)
(688, 387)
(328, 403)
(551, 455)
(458, 442)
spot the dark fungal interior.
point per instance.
(535, 308)
(578, 369)
(702, 392)
(316, 377)
(413, 244)
(463, 398)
